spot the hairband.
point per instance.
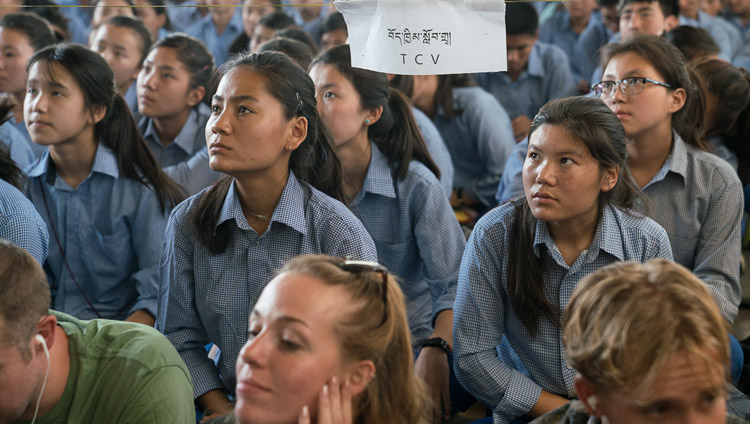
(299, 104)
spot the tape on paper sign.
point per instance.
(424, 37)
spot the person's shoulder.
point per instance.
(705, 163)
(321, 209)
(635, 226)
(551, 54)
(497, 220)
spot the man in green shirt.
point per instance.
(57, 369)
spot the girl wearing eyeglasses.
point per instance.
(693, 194)
(339, 354)
(276, 201)
(525, 258)
(392, 184)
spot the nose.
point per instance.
(617, 95)
(635, 22)
(219, 124)
(147, 79)
(37, 103)
(513, 55)
(545, 174)
(256, 351)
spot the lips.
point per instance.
(216, 146)
(145, 99)
(620, 114)
(542, 198)
(250, 386)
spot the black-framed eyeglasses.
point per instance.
(628, 86)
(358, 267)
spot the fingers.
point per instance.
(304, 416)
(346, 402)
(445, 395)
(335, 400)
(324, 406)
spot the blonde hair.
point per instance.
(395, 395)
(625, 321)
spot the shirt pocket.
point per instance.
(401, 259)
(110, 255)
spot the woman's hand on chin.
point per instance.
(334, 404)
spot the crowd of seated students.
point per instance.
(296, 228)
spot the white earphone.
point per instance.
(592, 402)
(43, 342)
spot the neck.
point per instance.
(74, 158)
(572, 238)
(59, 369)
(18, 99)
(355, 160)
(221, 17)
(124, 88)
(578, 24)
(691, 15)
(168, 127)
(648, 152)
(259, 194)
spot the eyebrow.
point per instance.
(236, 99)
(330, 85)
(561, 153)
(50, 82)
(631, 73)
(283, 318)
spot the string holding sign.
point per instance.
(434, 37)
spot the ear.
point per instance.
(585, 390)
(610, 178)
(373, 115)
(360, 375)
(677, 100)
(297, 132)
(97, 113)
(536, 36)
(671, 22)
(196, 95)
(46, 328)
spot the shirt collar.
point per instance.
(289, 211)
(535, 66)
(186, 137)
(379, 179)
(606, 237)
(679, 155)
(105, 162)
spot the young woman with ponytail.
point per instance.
(392, 184)
(278, 199)
(525, 258)
(101, 193)
(694, 195)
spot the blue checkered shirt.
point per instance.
(20, 224)
(185, 159)
(479, 138)
(483, 314)
(110, 228)
(206, 298)
(697, 197)
(19, 148)
(417, 236)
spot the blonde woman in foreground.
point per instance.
(341, 353)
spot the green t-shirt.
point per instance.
(121, 373)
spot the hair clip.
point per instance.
(299, 104)
(205, 67)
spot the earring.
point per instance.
(367, 122)
(290, 147)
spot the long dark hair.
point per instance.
(117, 130)
(9, 171)
(731, 119)
(395, 133)
(690, 121)
(590, 121)
(314, 161)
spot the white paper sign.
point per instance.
(424, 37)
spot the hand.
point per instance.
(521, 125)
(142, 316)
(334, 404)
(432, 368)
(214, 404)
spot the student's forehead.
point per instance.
(637, 5)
